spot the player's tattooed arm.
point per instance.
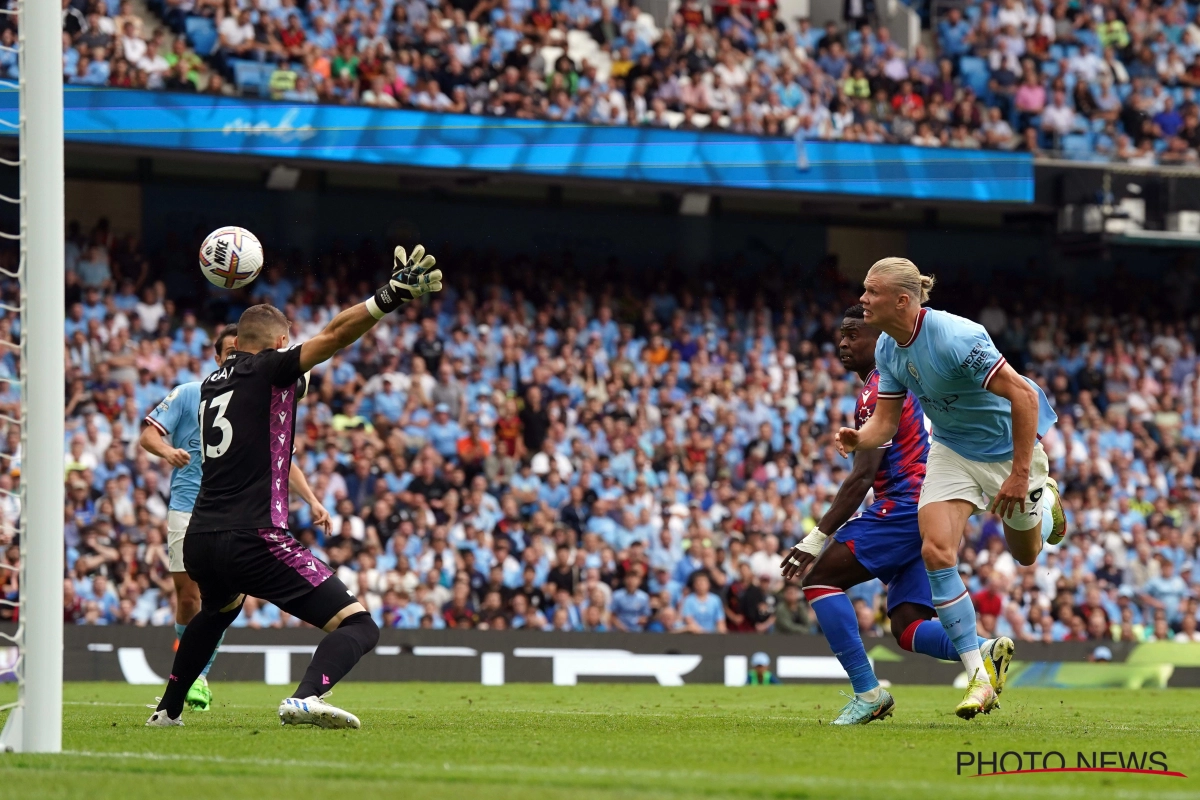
(877, 431)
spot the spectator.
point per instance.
(760, 671)
(702, 611)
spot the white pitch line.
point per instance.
(547, 711)
(581, 712)
(526, 769)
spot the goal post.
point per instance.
(35, 723)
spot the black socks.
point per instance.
(337, 654)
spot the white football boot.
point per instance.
(159, 719)
(315, 711)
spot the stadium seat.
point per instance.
(602, 62)
(551, 55)
(580, 45)
(975, 73)
(647, 27)
(248, 75)
(1076, 145)
(854, 41)
(202, 34)
(1051, 69)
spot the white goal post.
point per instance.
(34, 724)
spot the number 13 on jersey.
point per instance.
(220, 423)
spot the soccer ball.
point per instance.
(231, 257)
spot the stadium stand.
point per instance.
(534, 454)
(1086, 80)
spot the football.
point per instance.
(231, 257)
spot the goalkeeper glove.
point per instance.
(413, 276)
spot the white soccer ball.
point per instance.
(231, 257)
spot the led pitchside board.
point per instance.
(710, 160)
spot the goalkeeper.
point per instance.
(882, 542)
(237, 541)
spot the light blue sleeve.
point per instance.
(966, 351)
(889, 386)
(165, 416)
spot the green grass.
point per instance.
(463, 741)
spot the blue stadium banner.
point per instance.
(703, 159)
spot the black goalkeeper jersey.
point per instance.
(247, 424)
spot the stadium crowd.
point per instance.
(569, 455)
(1091, 79)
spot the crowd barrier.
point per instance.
(279, 656)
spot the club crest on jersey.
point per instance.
(912, 370)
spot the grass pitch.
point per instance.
(464, 741)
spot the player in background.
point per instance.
(883, 542)
(987, 420)
(172, 432)
(237, 541)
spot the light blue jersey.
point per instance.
(177, 418)
(948, 363)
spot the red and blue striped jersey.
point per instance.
(902, 469)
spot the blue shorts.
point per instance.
(887, 541)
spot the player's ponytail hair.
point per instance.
(904, 275)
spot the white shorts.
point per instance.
(949, 476)
(177, 524)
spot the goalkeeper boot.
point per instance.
(859, 711)
(199, 697)
(160, 719)
(980, 699)
(997, 655)
(315, 711)
(1057, 515)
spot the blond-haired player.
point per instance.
(987, 420)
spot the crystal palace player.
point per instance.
(237, 542)
(883, 542)
(985, 455)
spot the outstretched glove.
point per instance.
(413, 276)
